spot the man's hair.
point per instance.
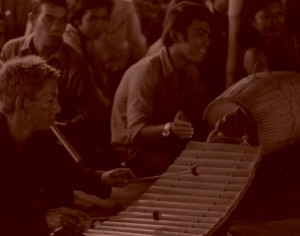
(79, 7)
(180, 16)
(23, 76)
(36, 5)
(257, 5)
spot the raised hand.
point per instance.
(181, 127)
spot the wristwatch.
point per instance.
(167, 129)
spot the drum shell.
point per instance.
(271, 100)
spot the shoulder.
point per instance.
(13, 47)
(16, 41)
(145, 69)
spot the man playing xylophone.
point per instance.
(37, 176)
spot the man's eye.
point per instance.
(50, 101)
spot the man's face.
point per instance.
(41, 111)
(94, 22)
(196, 42)
(50, 23)
(270, 20)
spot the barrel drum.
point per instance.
(270, 100)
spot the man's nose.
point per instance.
(206, 40)
(58, 25)
(56, 108)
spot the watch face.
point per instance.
(167, 130)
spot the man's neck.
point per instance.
(42, 49)
(178, 61)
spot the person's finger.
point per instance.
(182, 123)
(180, 116)
(178, 129)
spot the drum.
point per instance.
(185, 202)
(271, 103)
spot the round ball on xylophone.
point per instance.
(156, 215)
(195, 170)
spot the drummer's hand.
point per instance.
(64, 217)
(117, 177)
(181, 127)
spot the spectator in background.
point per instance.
(78, 98)
(269, 46)
(159, 103)
(120, 44)
(89, 19)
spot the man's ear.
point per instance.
(76, 23)
(30, 24)
(20, 103)
(30, 17)
(176, 36)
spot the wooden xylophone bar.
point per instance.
(189, 205)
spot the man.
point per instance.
(88, 21)
(108, 33)
(78, 98)
(37, 176)
(159, 103)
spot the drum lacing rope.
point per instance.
(243, 140)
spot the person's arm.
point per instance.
(178, 128)
(142, 87)
(255, 61)
(137, 41)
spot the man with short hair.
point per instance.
(78, 98)
(159, 103)
(108, 33)
(37, 176)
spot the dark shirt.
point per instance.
(77, 95)
(40, 177)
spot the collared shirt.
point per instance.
(150, 93)
(77, 95)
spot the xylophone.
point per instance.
(196, 202)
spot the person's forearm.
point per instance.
(151, 134)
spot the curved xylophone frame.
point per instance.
(187, 204)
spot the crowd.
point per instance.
(128, 107)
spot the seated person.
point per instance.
(159, 103)
(268, 45)
(117, 30)
(214, 63)
(37, 175)
(81, 108)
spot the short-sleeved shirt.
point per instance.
(151, 92)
